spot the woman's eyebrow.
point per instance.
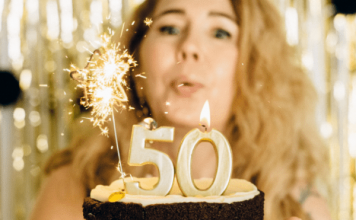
(222, 14)
(170, 11)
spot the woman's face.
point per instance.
(189, 56)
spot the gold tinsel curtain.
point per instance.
(41, 38)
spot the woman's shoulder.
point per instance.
(313, 203)
(61, 196)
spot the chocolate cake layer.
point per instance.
(252, 209)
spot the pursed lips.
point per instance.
(186, 87)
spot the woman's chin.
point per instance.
(175, 120)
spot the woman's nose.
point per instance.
(189, 48)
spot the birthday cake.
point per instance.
(241, 200)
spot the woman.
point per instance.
(234, 54)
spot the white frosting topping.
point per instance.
(238, 190)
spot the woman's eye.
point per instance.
(221, 34)
(170, 30)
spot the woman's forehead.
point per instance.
(194, 7)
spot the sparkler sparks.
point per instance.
(141, 75)
(103, 81)
(148, 21)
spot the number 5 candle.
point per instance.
(139, 156)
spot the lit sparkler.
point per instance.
(103, 82)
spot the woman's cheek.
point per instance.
(157, 57)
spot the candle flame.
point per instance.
(205, 115)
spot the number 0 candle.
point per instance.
(223, 154)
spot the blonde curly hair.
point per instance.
(272, 129)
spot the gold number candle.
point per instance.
(139, 156)
(184, 160)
